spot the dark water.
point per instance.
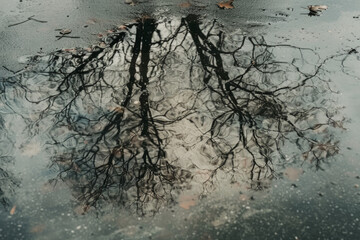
(182, 123)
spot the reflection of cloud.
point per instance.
(161, 106)
(31, 149)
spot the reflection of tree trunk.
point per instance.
(149, 28)
(204, 47)
(197, 35)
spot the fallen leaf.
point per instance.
(185, 4)
(92, 21)
(244, 197)
(82, 209)
(100, 35)
(12, 211)
(226, 5)
(122, 27)
(187, 202)
(102, 45)
(70, 50)
(119, 109)
(317, 8)
(293, 174)
(65, 31)
(130, 2)
(38, 228)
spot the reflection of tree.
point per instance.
(122, 111)
(264, 103)
(7, 180)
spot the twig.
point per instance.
(10, 70)
(64, 36)
(29, 18)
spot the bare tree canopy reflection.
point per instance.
(160, 106)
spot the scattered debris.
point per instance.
(226, 5)
(353, 50)
(29, 19)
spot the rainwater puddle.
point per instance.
(177, 128)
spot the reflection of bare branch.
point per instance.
(8, 182)
(121, 112)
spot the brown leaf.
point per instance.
(102, 45)
(119, 109)
(185, 5)
(244, 197)
(122, 27)
(38, 228)
(226, 5)
(12, 211)
(82, 209)
(65, 31)
(92, 21)
(187, 202)
(100, 35)
(317, 8)
(293, 174)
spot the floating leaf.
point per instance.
(317, 8)
(38, 228)
(293, 174)
(82, 209)
(65, 31)
(119, 109)
(92, 21)
(122, 27)
(130, 2)
(186, 202)
(185, 4)
(12, 211)
(102, 45)
(100, 35)
(226, 5)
